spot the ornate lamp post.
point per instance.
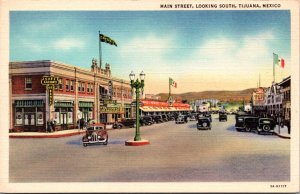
(139, 88)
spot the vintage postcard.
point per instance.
(149, 96)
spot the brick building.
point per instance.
(81, 93)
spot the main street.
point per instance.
(177, 152)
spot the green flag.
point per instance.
(107, 40)
(275, 59)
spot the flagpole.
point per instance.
(169, 88)
(273, 68)
(100, 51)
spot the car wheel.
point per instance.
(85, 144)
(204, 124)
(120, 127)
(266, 128)
(248, 129)
(105, 143)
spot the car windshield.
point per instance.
(90, 128)
(266, 121)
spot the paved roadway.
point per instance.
(178, 152)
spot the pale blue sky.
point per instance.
(200, 50)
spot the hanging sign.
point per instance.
(50, 82)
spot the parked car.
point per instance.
(246, 123)
(146, 120)
(180, 119)
(164, 118)
(266, 125)
(192, 117)
(157, 119)
(204, 123)
(95, 134)
(124, 123)
(171, 117)
(222, 117)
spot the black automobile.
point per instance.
(204, 123)
(164, 117)
(266, 126)
(246, 123)
(207, 115)
(222, 117)
(180, 119)
(157, 119)
(146, 120)
(124, 123)
(171, 117)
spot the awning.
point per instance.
(163, 109)
(63, 104)
(29, 103)
(86, 104)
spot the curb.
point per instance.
(47, 135)
(281, 136)
(137, 143)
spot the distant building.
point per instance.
(204, 105)
(273, 99)
(258, 101)
(285, 89)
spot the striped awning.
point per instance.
(29, 103)
(163, 109)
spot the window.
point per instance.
(91, 89)
(88, 88)
(28, 83)
(79, 86)
(67, 85)
(60, 84)
(72, 85)
(83, 87)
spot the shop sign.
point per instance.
(49, 82)
(104, 109)
(110, 89)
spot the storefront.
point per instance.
(63, 114)
(29, 115)
(86, 109)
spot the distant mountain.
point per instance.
(229, 96)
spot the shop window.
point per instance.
(67, 85)
(19, 116)
(28, 83)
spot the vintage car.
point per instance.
(124, 123)
(158, 119)
(192, 117)
(146, 120)
(203, 123)
(164, 117)
(180, 119)
(206, 115)
(95, 134)
(222, 116)
(246, 123)
(266, 125)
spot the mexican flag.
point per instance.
(278, 61)
(172, 83)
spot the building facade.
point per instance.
(80, 93)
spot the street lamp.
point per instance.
(138, 85)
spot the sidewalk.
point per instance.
(56, 134)
(282, 132)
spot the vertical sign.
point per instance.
(49, 82)
(110, 89)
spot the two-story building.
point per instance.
(80, 93)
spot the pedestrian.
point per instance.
(53, 125)
(81, 123)
(48, 129)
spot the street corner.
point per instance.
(137, 143)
